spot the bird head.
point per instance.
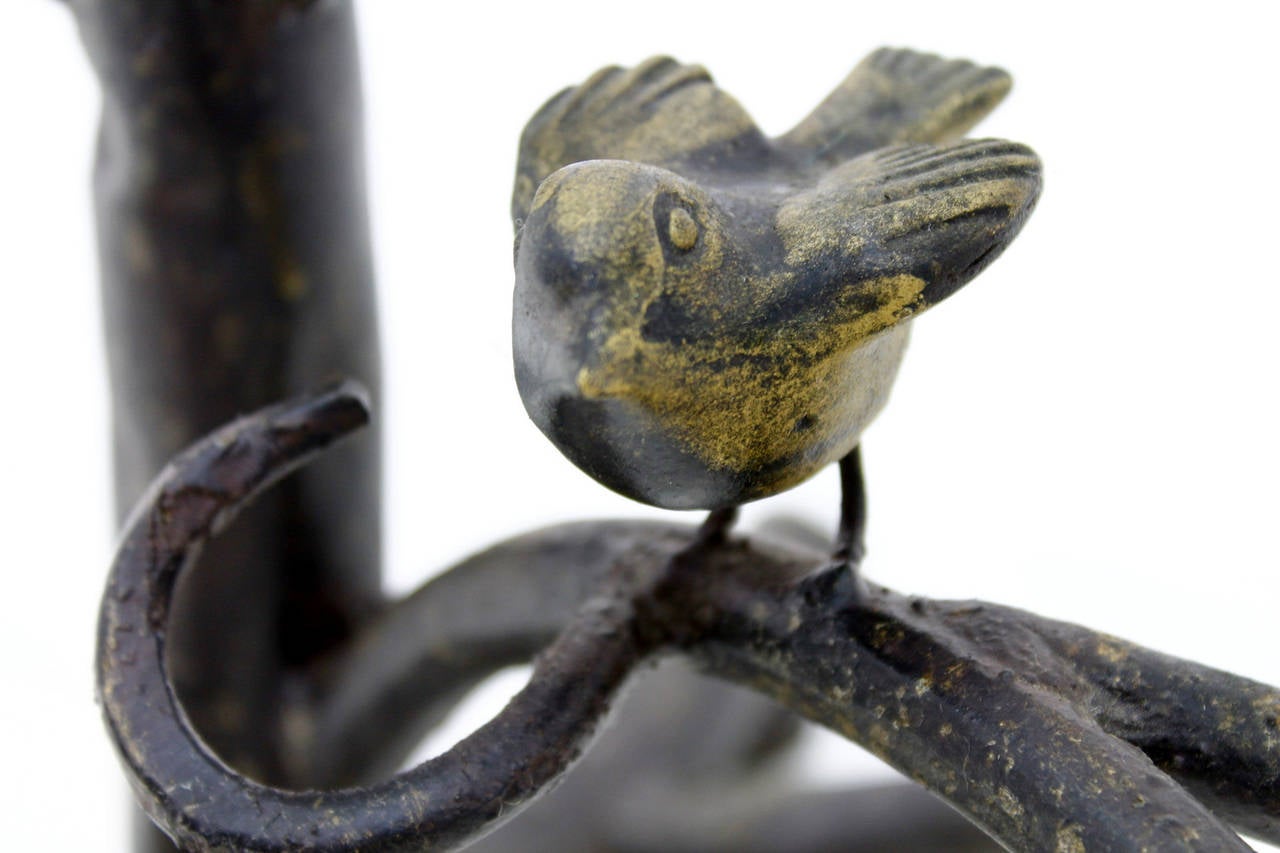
(607, 247)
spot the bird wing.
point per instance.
(934, 214)
(659, 112)
(897, 96)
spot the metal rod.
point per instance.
(236, 270)
(1033, 728)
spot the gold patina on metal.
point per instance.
(706, 316)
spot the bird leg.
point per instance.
(715, 527)
(850, 537)
(838, 583)
(711, 534)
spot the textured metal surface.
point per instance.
(205, 805)
(235, 271)
(1048, 735)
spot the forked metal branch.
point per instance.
(1035, 729)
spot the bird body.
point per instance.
(705, 316)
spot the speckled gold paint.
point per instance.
(830, 376)
(1068, 840)
(651, 113)
(687, 384)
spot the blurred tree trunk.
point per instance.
(236, 270)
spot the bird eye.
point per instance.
(682, 230)
(677, 225)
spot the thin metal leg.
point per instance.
(838, 583)
(850, 538)
(716, 526)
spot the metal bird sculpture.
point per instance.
(705, 316)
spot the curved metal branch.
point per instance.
(1216, 733)
(690, 764)
(1027, 725)
(205, 805)
(685, 766)
(968, 699)
(407, 669)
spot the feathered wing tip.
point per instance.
(898, 96)
(933, 215)
(658, 112)
(902, 172)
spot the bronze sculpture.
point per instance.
(930, 678)
(704, 316)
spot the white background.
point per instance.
(1089, 430)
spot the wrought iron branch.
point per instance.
(1035, 729)
(201, 802)
(237, 271)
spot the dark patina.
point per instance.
(260, 690)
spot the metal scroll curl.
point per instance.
(1044, 733)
